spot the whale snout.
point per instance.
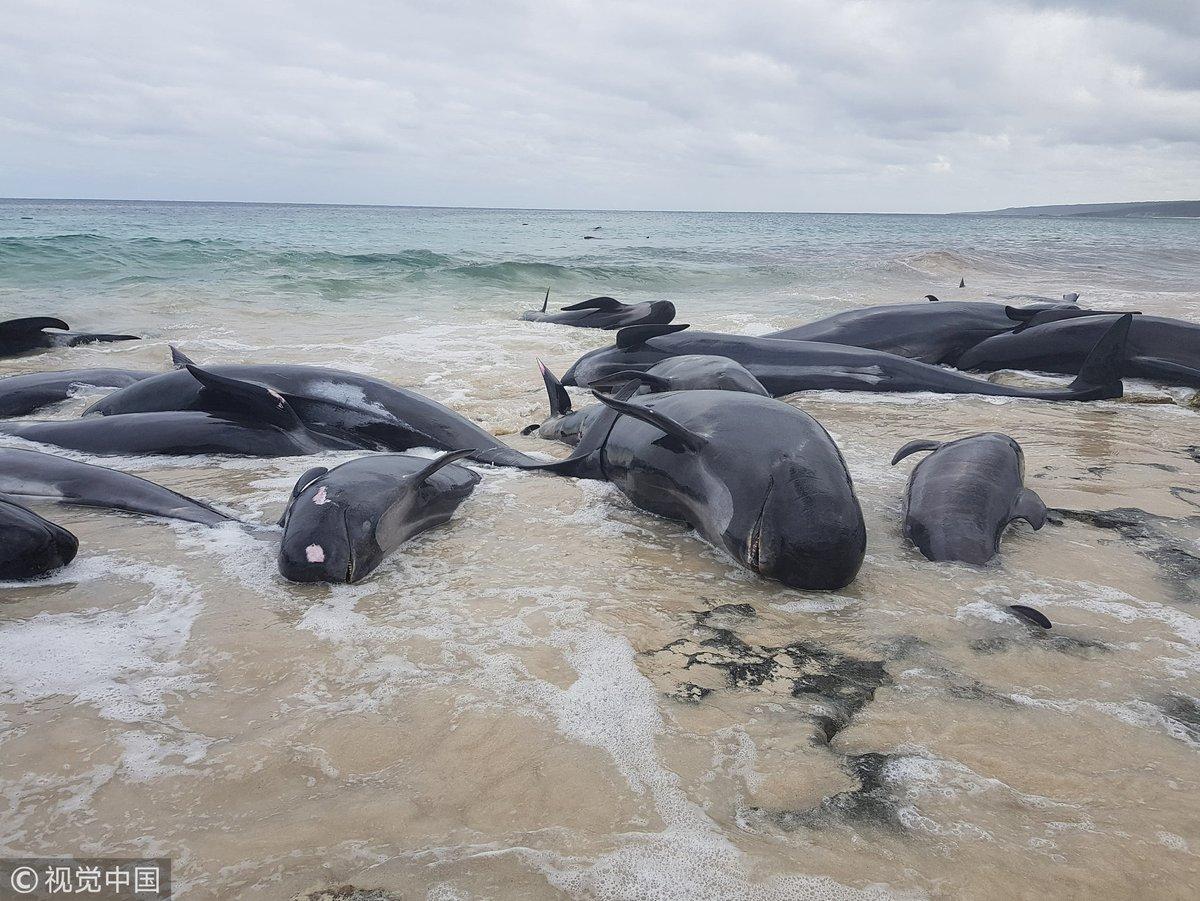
(809, 534)
(316, 545)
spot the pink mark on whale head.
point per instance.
(315, 553)
(320, 497)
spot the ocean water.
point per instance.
(556, 695)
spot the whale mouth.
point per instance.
(754, 543)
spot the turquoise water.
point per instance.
(86, 254)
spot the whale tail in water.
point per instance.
(962, 282)
(560, 401)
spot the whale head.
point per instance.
(320, 543)
(808, 533)
(31, 546)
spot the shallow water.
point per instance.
(556, 694)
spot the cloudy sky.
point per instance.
(930, 105)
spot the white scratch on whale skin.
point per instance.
(315, 553)
(320, 498)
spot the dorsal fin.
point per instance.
(179, 359)
(438, 462)
(546, 300)
(655, 383)
(560, 401)
(31, 324)
(931, 298)
(596, 303)
(636, 335)
(693, 441)
(244, 400)
(920, 444)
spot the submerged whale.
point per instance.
(752, 475)
(30, 475)
(340, 524)
(248, 420)
(347, 409)
(604, 313)
(21, 395)
(787, 366)
(21, 336)
(1159, 348)
(930, 332)
(962, 497)
(31, 546)
(691, 372)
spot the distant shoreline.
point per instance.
(1168, 209)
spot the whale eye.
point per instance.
(315, 553)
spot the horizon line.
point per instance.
(518, 209)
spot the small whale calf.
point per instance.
(31, 546)
(22, 336)
(752, 475)
(604, 313)
(340, 524)
(962, 497)
(21, 395)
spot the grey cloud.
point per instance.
(808, 104)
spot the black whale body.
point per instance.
(250, 421)
(22, 336)
(687, 373)
(1158, 348)
(930, 332)
(31, 546)
(30, 475)
(351, 410)
(23, 394)
(604, 313)
(962, 497)
(342, 523)
(785, 366)
(753, 475)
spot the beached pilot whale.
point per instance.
(31, 546)
(1159, 348)
(342, 523)
(347, 409)
(604, 313)
(20, 336)
(27, 475)
(21, 395)
(962, 497)
(692, 372)
(246, 419)
(785, 367)
(938, 332)
(752, 475)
